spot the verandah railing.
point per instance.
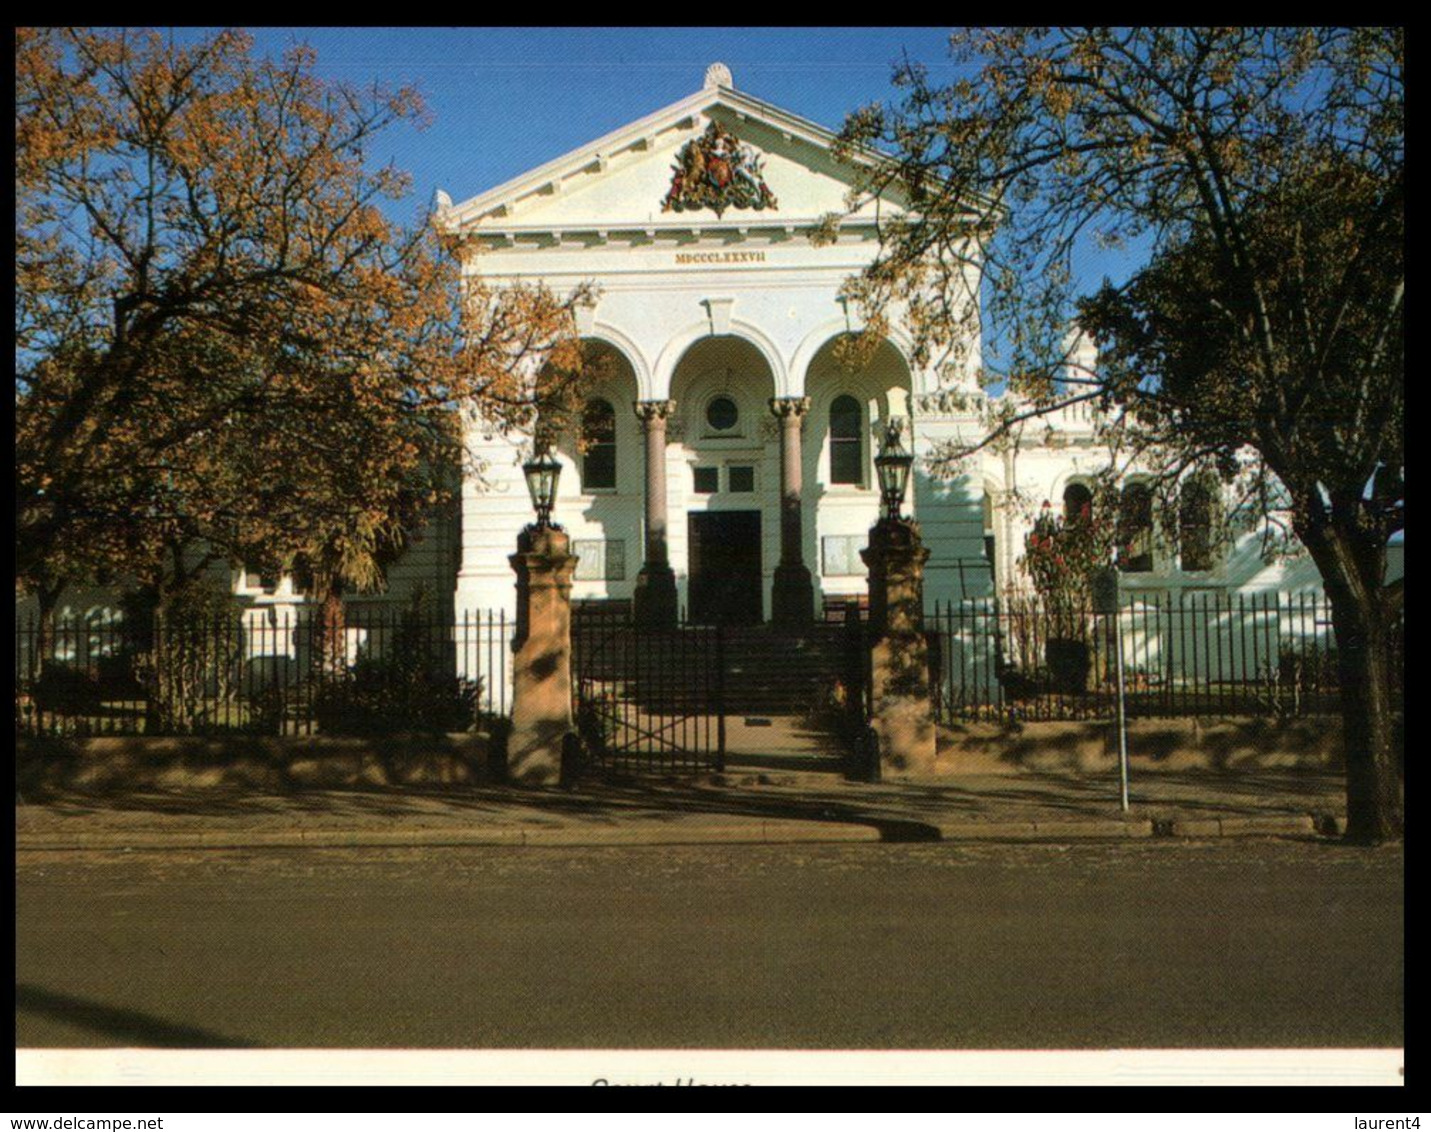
(262, 670)
(1197, 654)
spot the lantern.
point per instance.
(542, 472)
(892, 466)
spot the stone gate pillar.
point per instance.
(792, 596)
(541, 666)
(899, 667)
(654, 601)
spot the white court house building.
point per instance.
(728, 456)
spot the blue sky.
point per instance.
(505, 100)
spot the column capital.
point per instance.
(647, 411)
(787, 407)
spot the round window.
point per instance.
(721, 414)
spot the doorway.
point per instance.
(725, 584)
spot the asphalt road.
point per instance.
(1220, 944)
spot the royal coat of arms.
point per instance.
(718, 172)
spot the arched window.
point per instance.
(1077, 503)
(847, 448)
(1196, 501)
(1135, 529)
(598, 438)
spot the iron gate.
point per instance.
(649, 700)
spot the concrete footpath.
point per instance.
(734, 808)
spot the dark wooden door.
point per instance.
(725, 568)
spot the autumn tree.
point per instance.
(1261, 170)
(224, 345)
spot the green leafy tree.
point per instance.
(1263, 170)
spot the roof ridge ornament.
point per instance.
(717, 75)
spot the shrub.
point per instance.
(1069, 663)
(594, 722)
(382, 696)
(267, 709)
(410, 688)
(193, 663)
(67, 689)
(1294, 687)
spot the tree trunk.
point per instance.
(1352, 578)
(48, 598)
(329, 632)
(1375, 803)
(29, 701)
(142, 625)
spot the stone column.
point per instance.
(541, 666)
(655, 599)
(899, 668)
(792, 598)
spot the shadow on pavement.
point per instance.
(603, 803)
(898, 811)
(123, 1027)
(824, 764)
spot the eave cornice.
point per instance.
(497, 234)
(547, 181)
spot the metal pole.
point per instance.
(1122, 707)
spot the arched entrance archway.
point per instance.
(725, 543)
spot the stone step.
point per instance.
(765, 672)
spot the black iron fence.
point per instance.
(283, 671)
(262, 670)
(1200, 654)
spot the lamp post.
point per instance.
(541, 662)
(900, 717)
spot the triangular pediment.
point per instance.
(778, 170)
